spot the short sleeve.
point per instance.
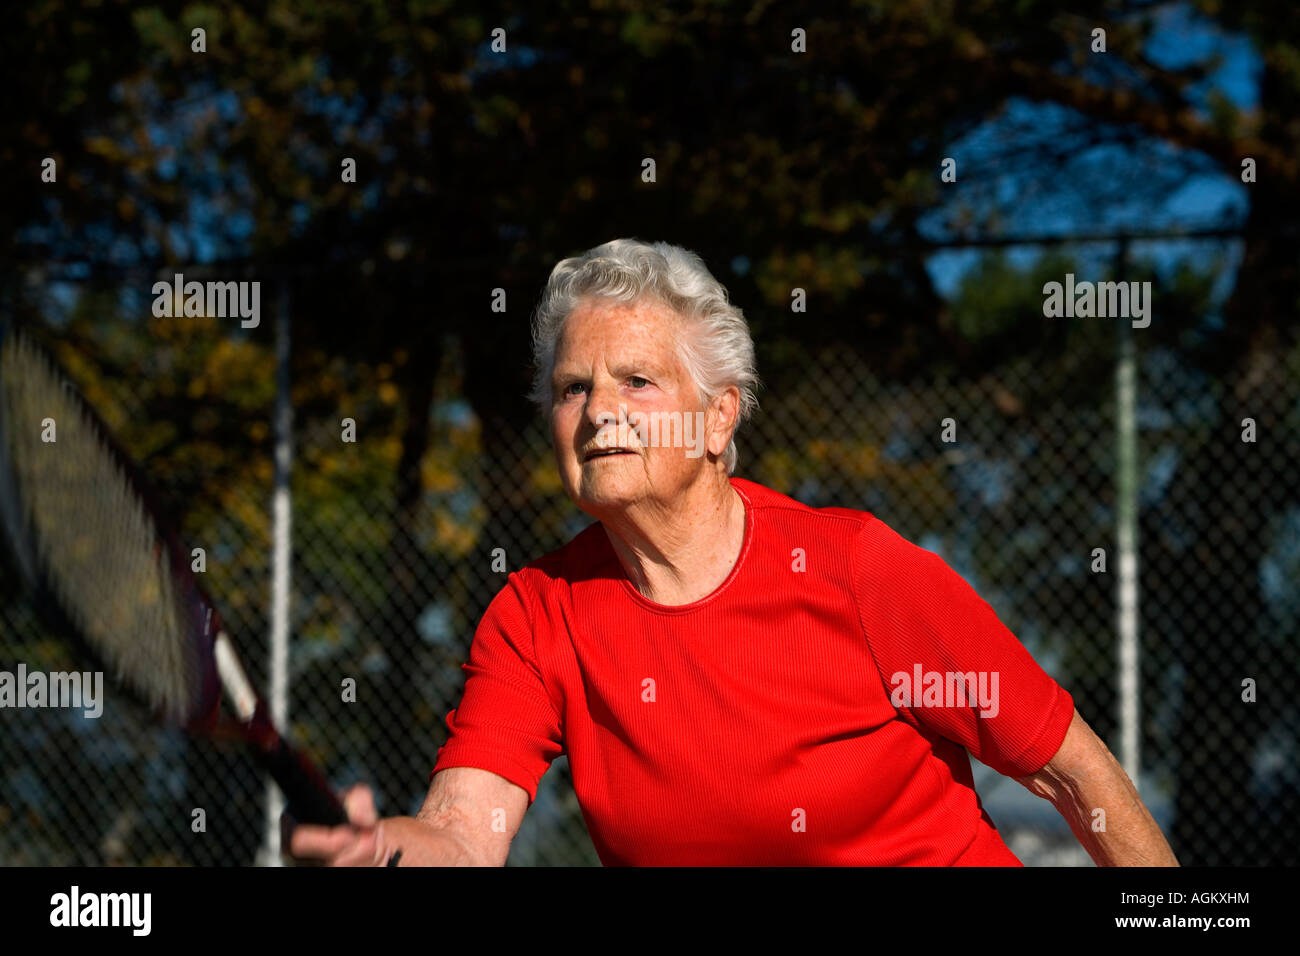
(947, 661)
(506, 722)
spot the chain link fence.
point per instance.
(386, 592)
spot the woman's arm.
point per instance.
(469, 818)
(1083, 777)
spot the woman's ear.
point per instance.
(726, 410)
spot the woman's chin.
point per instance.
(608, 492)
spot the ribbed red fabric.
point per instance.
(755, 726)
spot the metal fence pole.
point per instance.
(281, 502)
(1126, 495)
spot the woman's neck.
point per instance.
(681, 556)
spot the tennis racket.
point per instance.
(102, 561)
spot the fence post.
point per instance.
(1126, 533)
(281, 502)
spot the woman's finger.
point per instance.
(364, 850)
(320, 843)
(359, 802)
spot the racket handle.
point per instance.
(310, 797)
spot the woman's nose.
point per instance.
(602, 405)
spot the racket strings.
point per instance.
(96, 544)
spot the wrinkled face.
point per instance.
(627, 422)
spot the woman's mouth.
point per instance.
(606, 453)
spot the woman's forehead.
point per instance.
(607, 314)
(632, 331)
(620, 359)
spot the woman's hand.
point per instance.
(469, 818)
(365, 840)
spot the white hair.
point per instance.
(718, 353)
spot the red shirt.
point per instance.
(766, 723)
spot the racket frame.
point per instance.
(309, 796)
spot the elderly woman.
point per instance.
(735, 677)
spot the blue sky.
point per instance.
(1179, 190)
